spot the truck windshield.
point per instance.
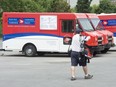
(86, 24)
(97, 24)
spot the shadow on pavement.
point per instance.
(58, 55)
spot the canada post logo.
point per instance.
(105, 23)
(21, 21)
(109, 22)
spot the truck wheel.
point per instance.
(105, 50)
(94, 54)
(30, 50)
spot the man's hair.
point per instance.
(78, 31)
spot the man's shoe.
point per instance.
(88, 77)
(73, 78)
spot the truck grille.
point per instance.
(99, 40)
(110, 38)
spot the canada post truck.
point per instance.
(38, 33)
(107, 35)
(109, 23)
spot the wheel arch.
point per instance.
(28, 44)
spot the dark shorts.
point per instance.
(78, 58)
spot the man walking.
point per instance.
(77, 58)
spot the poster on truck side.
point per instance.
(48, 22)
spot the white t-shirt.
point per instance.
(76, 42)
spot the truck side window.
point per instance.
(67, 26)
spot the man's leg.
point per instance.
(85, 70)
(73, 69)
(87, 76)
(74, 63)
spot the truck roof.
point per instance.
(92, 15)
(78, 15)
(107, 16)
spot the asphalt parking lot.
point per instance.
(53, 70)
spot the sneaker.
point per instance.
(88, 77)
(73, 78)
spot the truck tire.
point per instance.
(30, 50)
(105, 50)
(94, 53)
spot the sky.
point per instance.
(73, 2)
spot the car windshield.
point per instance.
(97, 24)
(86, 24)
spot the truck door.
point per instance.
(66, 31)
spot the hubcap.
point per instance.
(29, 51)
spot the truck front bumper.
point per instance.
(98, 48)
(109, 45)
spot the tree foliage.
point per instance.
(83, 6)
(19, 5)
(106, 6)
(94, 8)
(45, 4)
(34, 6)
(59, 6)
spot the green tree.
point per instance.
(83, 6)
(59, 6)
(20, 6)
(45, 5)
(94, 8)
(31, 6)
(11, 5)
(106, 6)
(54, 5)
(34, 6)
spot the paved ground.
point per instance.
(17, 70)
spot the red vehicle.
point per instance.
(38, 33)
(109, 23)
(95, 45)
(107, 35)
